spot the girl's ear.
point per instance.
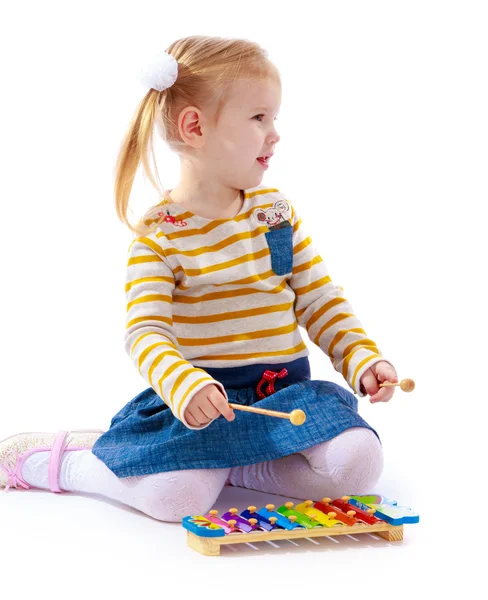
(189, 125)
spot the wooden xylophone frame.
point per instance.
(210, 546)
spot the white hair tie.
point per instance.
(160, 73)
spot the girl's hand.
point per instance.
(380, 372)
(207, 404)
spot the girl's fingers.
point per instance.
(208, 411)
(369, 382)
(201, 416)
(387, 374)
(382, 396)
(222, 406)
(196, 417)
(190, 419)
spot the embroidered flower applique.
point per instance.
(168, 218)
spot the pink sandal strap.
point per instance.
(57, 450)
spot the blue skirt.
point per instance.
(145, 437)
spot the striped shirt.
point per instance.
(229, 292)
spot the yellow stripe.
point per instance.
(220, 245)
(149, 243)
(359, 345)
(252, 335)
(307, 265)
(141, 337)
(363, 362)
(298, 348)
(227, 294)
(238, 314)
(338, 337)
(318, 313)
(225, 265)
(312, 286)
(178, 381)
(149, 318)
(166, 374)
(260, 192)
(190, 389)
(145, 258)
(333, 321)
(144, 353)
(250, 279)
(150, 298)
(131, 284)
(157, 360)
(303, 244)
(176, 384)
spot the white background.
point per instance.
(383, 150)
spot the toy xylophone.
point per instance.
(308, 519)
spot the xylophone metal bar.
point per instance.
(210, 546)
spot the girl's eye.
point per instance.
(276, 118)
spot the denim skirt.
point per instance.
(145, 438)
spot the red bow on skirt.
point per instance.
(269, 376)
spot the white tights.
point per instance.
(350, 463)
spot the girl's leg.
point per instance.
(163, 496)
(350, 463)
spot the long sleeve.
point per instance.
(322, 309)
(150, 340)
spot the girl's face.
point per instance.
(246, 131)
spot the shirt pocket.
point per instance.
(280, 242)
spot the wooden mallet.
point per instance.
(406, 385)
(297, 416)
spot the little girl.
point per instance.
(220, 275)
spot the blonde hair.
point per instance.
(207, 68)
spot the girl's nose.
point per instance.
(275, 136)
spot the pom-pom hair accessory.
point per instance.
(160, 72)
